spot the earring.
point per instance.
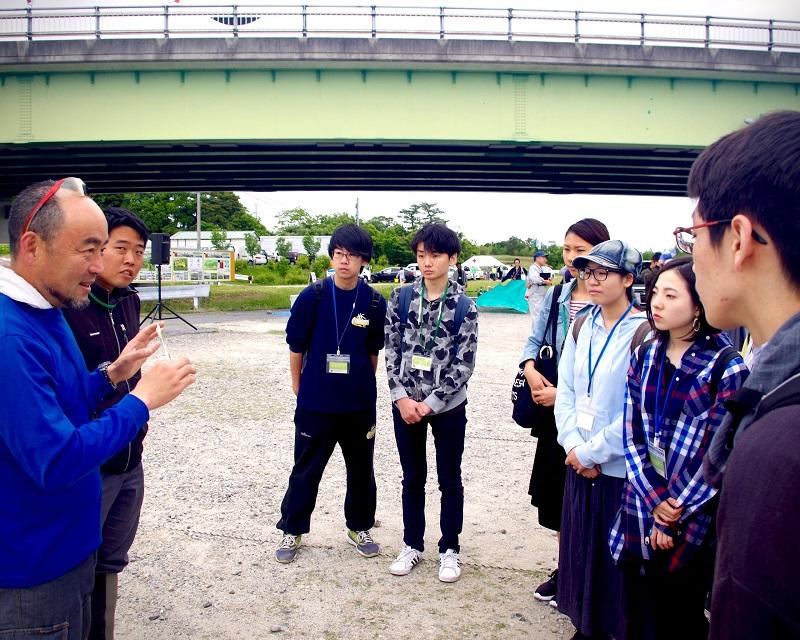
(696, 325)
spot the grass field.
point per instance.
(252, 297)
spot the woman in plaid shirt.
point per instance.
(662, 537)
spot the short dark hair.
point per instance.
(46, 222)
(352, 238)
(684, 268)
(119, 217)
(517, 260)
(591, 230)
(437, 237)
(656, 256)
(755, 171)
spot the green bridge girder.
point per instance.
(268, 129)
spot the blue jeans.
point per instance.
(448, 431)
(59, 609)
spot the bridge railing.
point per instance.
(243, 20)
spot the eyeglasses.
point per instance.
(73, 184)
(685, 236)
(344, 255)
(600, 274)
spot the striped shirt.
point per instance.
(575, 306)
(691, 416)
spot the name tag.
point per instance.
(658, 458)
(422, 363)
(585, 415)
(337, 364)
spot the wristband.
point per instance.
(103, 369)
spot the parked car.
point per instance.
(366, 273)
(413, 266)
(329, 273)
(389, 274)
(258, 258)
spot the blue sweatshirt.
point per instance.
(311, 330)
(51, 448)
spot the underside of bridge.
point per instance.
(257, 166)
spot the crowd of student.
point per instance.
(649, 410)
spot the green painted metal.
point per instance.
(386, 105)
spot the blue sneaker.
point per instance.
(363, 542)
(287, 550)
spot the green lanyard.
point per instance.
(427, 347)
(100, 302)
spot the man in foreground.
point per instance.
(744, 233)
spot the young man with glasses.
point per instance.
(53, 438)
(335, 333)
(745, 241)
(102, 329)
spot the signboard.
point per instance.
(194, 265)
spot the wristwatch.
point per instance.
(103, 369)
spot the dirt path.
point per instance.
(217, 462)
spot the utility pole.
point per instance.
(357, 211)
(199, 243)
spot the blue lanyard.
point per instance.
(593, 370)
(336, 315)
(661, 411)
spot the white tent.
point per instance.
(483, 262)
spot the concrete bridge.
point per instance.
(383, 113)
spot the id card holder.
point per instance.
(337, 363)
(585, 414)
(422, 363)
(658, 458)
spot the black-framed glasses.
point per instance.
(600, 274)
(338, 254)
(685, 236)
(73, 184)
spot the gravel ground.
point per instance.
(216, 465)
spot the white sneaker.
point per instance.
(405, 562)
(449, 567)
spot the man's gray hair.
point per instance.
(46, 223)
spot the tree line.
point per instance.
(223, 211)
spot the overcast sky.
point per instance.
(647, 222)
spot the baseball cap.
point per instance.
(540, 254)
(612, 254)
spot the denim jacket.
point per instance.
(534, 343)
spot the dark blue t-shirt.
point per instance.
(313, 332)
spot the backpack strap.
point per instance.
(642, 331)
(726, 354)
(577, 323)
(403, 303)
(783, 396)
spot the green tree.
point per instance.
(311, 245)
(420, 214)
(219, 239)
(252, 244)
(282, 247)
(296, 222)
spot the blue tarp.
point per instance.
(509, 295)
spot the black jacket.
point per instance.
(102, 333)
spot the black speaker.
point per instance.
(159, 248)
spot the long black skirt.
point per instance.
(589, 583)
(546, 487)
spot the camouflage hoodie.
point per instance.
(444, 387)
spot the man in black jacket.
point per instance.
(102, 329)
(747, 224)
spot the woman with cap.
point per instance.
(589, 415)
(546, 486)
(676, 388)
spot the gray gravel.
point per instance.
(217, 461)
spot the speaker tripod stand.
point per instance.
(156, 313)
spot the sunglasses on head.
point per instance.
(73, 184)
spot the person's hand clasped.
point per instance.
(164, 382)
(660, 540)
(667, 512)
(546, 396)
(587, 472)
(408, 410)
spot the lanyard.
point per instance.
(336, 316)
(427, 347)
(661, 411)
(593, 370)
(101, 303)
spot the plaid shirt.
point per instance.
(691, 418)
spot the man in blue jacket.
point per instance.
(334, 334)
(52, 439)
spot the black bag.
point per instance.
(526, 413)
